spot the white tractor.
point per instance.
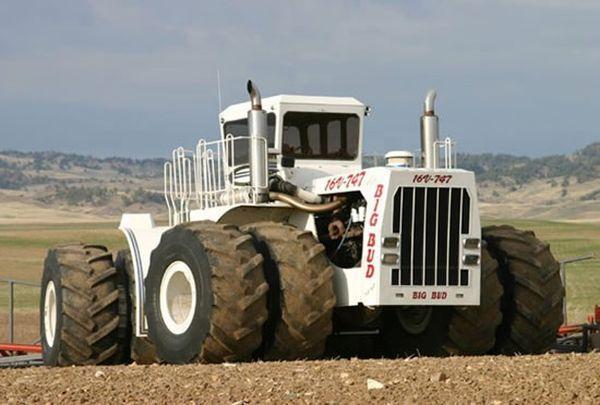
(281, 245)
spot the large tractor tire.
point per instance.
(533, 291)
(442, 331)
(82, 309)
(302, 299)
(206, 296)
(472, 329)
(142, 350)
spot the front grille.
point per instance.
(430, 221)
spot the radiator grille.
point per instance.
(430, 221)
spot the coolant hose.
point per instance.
(301, 205)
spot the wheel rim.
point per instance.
(414, 320)
(178, 297)
(50, 314)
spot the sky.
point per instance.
(139, 77)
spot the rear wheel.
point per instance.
(302, 298)
(81, 308)
(206, 294)
(533, 291)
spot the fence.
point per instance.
(11, 283)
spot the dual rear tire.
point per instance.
(207, 297)
(82, 308)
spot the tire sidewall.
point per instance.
(179, 244)
(52, 273)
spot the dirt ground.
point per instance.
(569, 378)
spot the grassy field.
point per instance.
(23, 248)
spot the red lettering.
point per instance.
(370, 271)
(374, 218)
(371, 242)
(379, 191)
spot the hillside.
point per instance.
(53, 186)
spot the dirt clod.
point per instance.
(438, 377)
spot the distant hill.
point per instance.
(560, 186)
(583, 165)
(103, 186)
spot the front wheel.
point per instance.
(533, 291)
(472, 329)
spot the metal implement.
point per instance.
(577, 337)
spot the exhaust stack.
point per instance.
(257, 129)
(429, 132)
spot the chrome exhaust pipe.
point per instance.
(429, 132)
(255, 98)
(257, 131)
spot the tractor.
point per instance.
(280, 245)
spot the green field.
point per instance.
(569, 240)
(23, 248)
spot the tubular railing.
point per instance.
(211, 176)
(444, 154)
(11, 302)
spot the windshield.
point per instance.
(240, 128)
(315, 135)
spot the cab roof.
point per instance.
(270, 103)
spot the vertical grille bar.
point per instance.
(442, 253)
(454, 236)
(406, 235)
(466, 213)
(418, 235)
(431, 235)
(397, 209)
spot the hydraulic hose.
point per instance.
(301, 205)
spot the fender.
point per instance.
(143, 236)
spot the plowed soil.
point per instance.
(527, 379)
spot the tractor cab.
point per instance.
(308, 137)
